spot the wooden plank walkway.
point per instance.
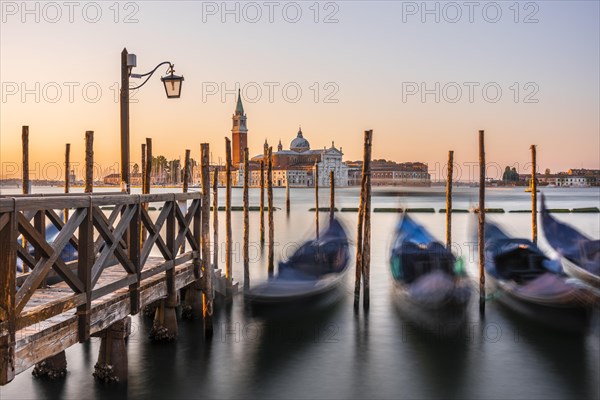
(37, 342)
(116, 272)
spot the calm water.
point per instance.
(332, 353)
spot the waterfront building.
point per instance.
(390, 173)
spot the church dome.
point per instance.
(299, 143)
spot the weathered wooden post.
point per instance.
(534, 230)
(26, 183)
(25, 139)
(215, 208)
(89, 162)
(449, 200)
(317, 200)
(246, 223)
(186, 171)
(143, 166)
(67, 177)
(262, 202)
(8, 286)
(148, 179)
(287, 195)
(228, 240)
(165, 318)
(366, 252)
(207, 270)
(185, 187)
(144, 205)
(331, 195)
(112, 360)
(362, 211)
(271, 207)
(193, 293)
(481, 230)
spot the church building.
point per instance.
(299, 164)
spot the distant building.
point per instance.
(298, 165)
(390, 173)
(115, 179)
(571, 178)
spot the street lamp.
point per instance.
(172, 85)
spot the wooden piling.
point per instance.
(89, 162)
(361, 217)
(270, 198)
(262, 202)
(481, 230)
(26, 183)
(317, 200)
(186, 171)
(246, 223)
(25, 139)
(534, 230)
(287, 195)
(215, 218)
(148, 179)
(366, 250)
(144, 205)
(449, 200)
(228, 240)
(143, 166)
(331, 195)
(67, 176)
(207, 271)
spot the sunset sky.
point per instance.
(369, 61)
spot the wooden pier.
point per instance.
(116, 272)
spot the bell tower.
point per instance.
(239, 133)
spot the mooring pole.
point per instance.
(317, 199)
(331, 195)
(215, 208)
(67, 176)
(185, 188)
(534, 230)
(25, 139)
(366, 252)
(361, 217)
(481, 231)
(26, 183)
(228, 241)
(449, 200)
(270, 198)
(143, 205)
(262, 202)
(207, 271)
(148, 179)
(246, 223)
(89, 162)
(124, 117)
(287, 195)
(186, 171)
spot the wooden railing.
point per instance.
(101, 241)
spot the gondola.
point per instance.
(525, 280)
(69, 253)
(315, 270)
(580, 254)
(430, 287)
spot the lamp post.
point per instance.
(172, 85)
